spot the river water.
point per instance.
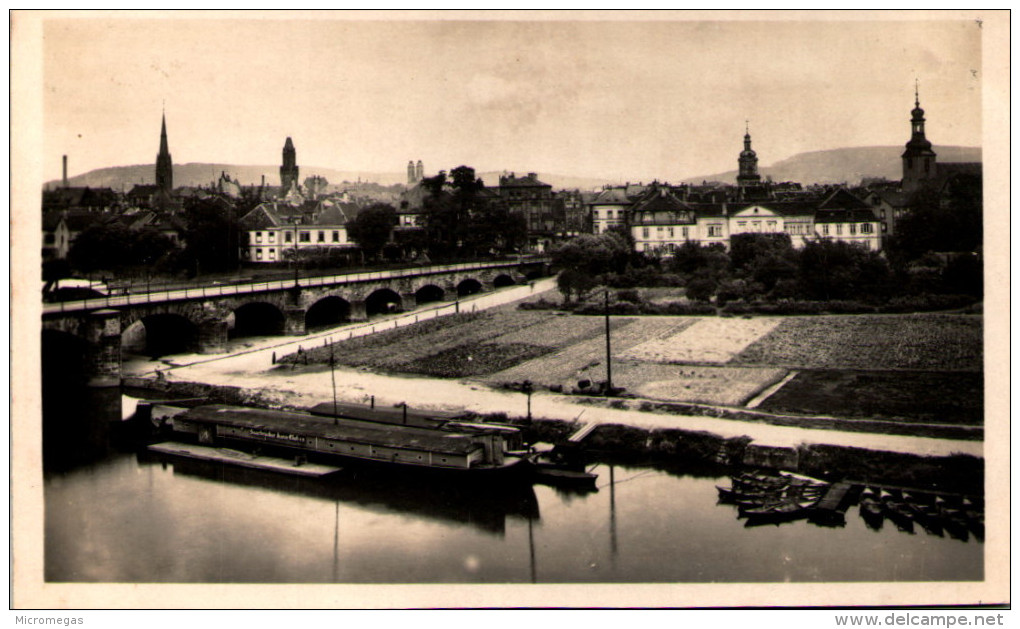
(129, 517)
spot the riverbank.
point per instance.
(648, 438)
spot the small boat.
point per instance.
(551, 468)
(778, 512)
(871, 509)
(560, 476)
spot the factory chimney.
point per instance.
(65, 171)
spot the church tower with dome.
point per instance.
(918, 158)
(748, 161)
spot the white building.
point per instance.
(276, 232)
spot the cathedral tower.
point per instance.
(289, 169)
(748, 163)
(164, 165)
(918, 159)
(419, 171)
(410, 174)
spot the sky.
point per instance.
(628, 100)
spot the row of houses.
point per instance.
(661, 218)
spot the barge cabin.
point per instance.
(472, 448)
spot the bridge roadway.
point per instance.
(203, 317)
(224, 290)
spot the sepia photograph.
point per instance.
(606, 309)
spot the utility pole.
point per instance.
(609, 359)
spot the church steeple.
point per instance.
(164, 165)
(289, 169)
(748, 161)
(918, 158)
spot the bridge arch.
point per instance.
(469, 286)
(255, 318)
(327, 311)
(429, 292)
(168, 333)
(381, 301)
(501, 280)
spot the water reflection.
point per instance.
(484, 507)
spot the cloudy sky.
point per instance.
(621, 99)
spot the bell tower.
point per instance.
(289, 169)
(918, 158)
(748, 162)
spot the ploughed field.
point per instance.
(921, 368)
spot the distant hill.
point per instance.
(198, 174)
(848, 165)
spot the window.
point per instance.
(272, 254)
(609, 214)
(742, 225)
(644, 232)
(825, 230)
(258, 254)
(839, 229)
(772, 226)
(853, 229)
(670, 230)
(756, 225)
(305, 237)
(272, 236)
(322, 237)
(258, 236)
(866, 228)
(336, 236)
(288, 237)
(683, 231)
(715, 231)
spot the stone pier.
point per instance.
(294, 321)
(102, 331)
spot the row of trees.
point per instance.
(459, 220)
(758, 266)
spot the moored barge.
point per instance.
(472, 449)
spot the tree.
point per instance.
(495, 230)
(592, 254)
(839, 270)
(940, 223)
(112, 246)
(211, 235)
(372, 228)
(460, 220)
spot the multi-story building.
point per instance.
(534, 200)
(275, 232)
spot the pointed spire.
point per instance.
(163, 147)
(917, 98)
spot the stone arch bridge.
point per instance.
(204, 318)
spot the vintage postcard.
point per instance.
(481, 309)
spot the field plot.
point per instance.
(919, 342)
(565, 366)
(708, 340)
(728, 386)
(395, 349)
(930, 397)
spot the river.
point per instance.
(129, 517)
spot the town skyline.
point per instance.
(535, 96)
